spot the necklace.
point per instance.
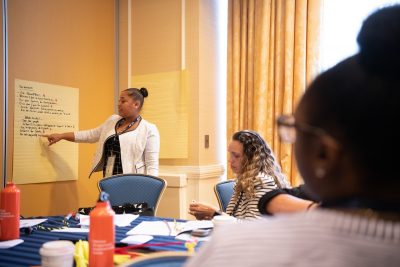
(120, 122)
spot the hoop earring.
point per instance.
(320, 172)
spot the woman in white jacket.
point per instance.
(126, 142)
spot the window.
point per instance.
(341, 22)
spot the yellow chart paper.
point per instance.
(42, 108)
(166, 107)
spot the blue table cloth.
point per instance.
(27, 253)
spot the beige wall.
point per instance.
(173, 35)
(170, 36)
(156, 36)
(71, 43)
(212, 82)
(158, 47)
(156, 63)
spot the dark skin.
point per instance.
(345, 176)
(285, 203)
(327, 153)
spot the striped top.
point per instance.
(247, 208)
(320, 237)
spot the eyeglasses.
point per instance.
(287, 127)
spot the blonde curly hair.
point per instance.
(257, 158)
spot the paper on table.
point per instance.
(136, 239)
(189, 237)
(84, 220)
(120, 220)
(165, 228)
(10, 243)
(30, 222)
(191, 225)
(72, 230)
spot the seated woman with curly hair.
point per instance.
(257, 171)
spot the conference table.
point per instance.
(27, 253)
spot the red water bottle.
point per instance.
(101, 234)
(9, 212)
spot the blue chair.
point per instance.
(162, 259)
(133, 188)
(224, 191)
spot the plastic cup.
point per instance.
(57, 254)
(223, 220)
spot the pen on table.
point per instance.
(66, 218)
(69, 215)
(169, 227)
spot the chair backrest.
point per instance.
(165, 258)
(224, 191)
(133, 188)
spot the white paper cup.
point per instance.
(57, 254)
(223, 220)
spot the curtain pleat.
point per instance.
(272, 56)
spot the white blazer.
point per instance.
(139, 148)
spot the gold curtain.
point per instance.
(272, 56)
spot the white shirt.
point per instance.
(316, 238)
(139, 148)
